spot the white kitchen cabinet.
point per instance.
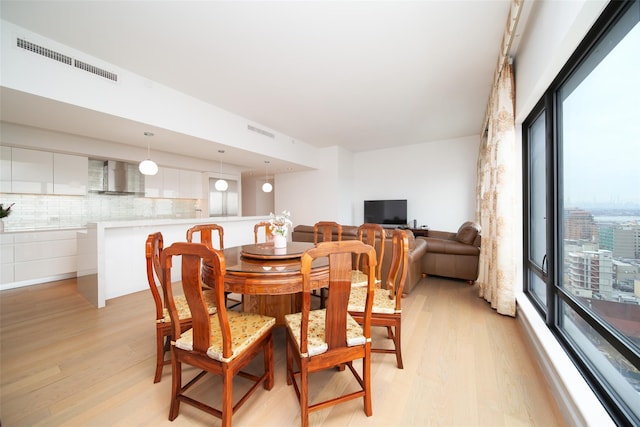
(36, 257)
(70, 174)
(171, 183)
(6, 258)
(42, 172)
(190, 185)
(153, 184)
(5, 169)
(31, 171)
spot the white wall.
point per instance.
(438, 179)
(315, 195)
(550, 35)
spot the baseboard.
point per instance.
(37, 281)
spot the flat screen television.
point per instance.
(385, 212)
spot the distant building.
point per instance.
(579, 225)
(624, 275)
(590, 273)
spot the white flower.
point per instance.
(281, 223)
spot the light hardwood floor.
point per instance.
(64, 362)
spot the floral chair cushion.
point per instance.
(359, 279)
(246, 328)
(183, 308)
(381, 301)
(316, 343)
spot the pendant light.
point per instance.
(266, 187)
(221, 184)
(148, 166)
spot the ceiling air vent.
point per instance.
(51, 54)
(57, 56)
(260, 131)
(95, 70)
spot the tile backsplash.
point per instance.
(35, 211)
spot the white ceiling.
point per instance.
(361, 74)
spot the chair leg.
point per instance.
(289, 352)
(323, 297)
(227, 397)
(396, 342)
(389, 332)
(159, 356)
(366, 378)
(304, 393)
(268, 362)
(176, 385)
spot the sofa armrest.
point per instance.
(443, 246)
(447, 235)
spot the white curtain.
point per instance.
(497, 199)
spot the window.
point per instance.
(582, 208)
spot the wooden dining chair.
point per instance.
(323, 231)
(374, 235)
(164, 328)
(265, 226)
(321, 339)
(387, 301)
(207, 231)
(222, 344)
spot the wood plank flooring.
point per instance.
(64, 362)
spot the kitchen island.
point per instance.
(111, 255)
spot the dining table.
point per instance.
(269, 278)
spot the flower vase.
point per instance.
(279, 241)
(1, 225)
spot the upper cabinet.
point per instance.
(31, 171)
(70, 174)
(42, 172)
(5, 169)
(190, 184)
(174, 184)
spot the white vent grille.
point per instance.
(57, 56)
(260, 131)
(95, 70)
(51, 54)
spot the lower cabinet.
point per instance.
(35, 257)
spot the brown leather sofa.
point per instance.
(417, 248)
(453, 255)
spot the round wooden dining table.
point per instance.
(269, 278)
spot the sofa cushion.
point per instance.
(467, 233)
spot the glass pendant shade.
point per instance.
(148, 167)
(221, 185)
(267, 187)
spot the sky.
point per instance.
(601, 134)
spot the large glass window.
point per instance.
(583, 208)
(537, 211)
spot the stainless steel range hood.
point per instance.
(121, 178)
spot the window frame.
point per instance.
(556, 295)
